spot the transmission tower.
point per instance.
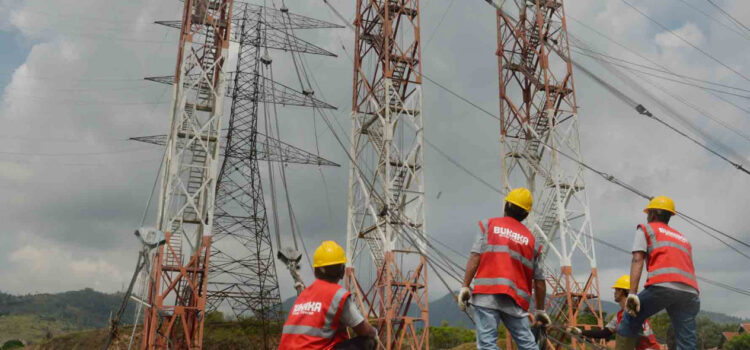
(386, 181)
(177, 286)
(539, 121)
(242, 272)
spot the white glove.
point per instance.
(299, 286)
(574, 330)
(633, 305)
(463, 298)
(542, 318)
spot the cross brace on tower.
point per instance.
(539, 116)
(241, 272)
(386, 179)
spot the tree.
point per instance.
(12, 344)
(446, 337)
(740, 342)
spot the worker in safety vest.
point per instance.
(504, 261)
(646, 339)
(322, 312)
(671, 282)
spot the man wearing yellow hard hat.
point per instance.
(646, 340)
(505, 266)
(323, 311)
(671, 283)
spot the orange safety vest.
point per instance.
(506, 263)
(647, 341)
(670, 256)
(313, 321)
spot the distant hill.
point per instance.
(36, 317)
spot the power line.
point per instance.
(590, 51)
(63, 154)
(666, 78)
(635, 52)
(744, 36)
(440, 22)
(606, 176)
(680, 99)
(735, 20)
(712, 57)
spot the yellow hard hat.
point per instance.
(520, 197)
(661, 202)
(329, 253)
(622, 283)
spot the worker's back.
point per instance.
(507, 261)
(313, 322)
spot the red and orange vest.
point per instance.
(506, 263)
(670, 256)
(647, 341)
(313, 321)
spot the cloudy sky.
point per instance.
(72, 92)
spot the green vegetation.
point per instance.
(709, 332)
(85, 308)
(446, 337)
(12, 344)
(35, 318)
(32, 328)
(740, 342)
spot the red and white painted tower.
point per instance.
(176, 306)
(386, 181)
(539, 122)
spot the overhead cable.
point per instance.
(712, 57)
(743, 35)
(606, 176)
(651, 74)
(642, 110)
(734, 20)
(635, 52)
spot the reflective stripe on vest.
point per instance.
(668, 260)
(503, 282)
(326, 331)
(668, 270)
(513, 254)
(309, 330)
(655, 244)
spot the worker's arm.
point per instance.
(540, 292)
(471, 269)
(365, 329)
(636, 268)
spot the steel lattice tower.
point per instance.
(177, 286)
(539, 121)
(242, 272)
(386, 181)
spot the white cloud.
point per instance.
(84, 216)
(44, 266)
(690, 32)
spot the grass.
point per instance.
(32, 328)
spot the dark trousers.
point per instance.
(358, 343)
(682, 308)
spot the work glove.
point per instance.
(574, 330)
(299, 286)
(463, 298)
(541, 318)
(633, 305)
